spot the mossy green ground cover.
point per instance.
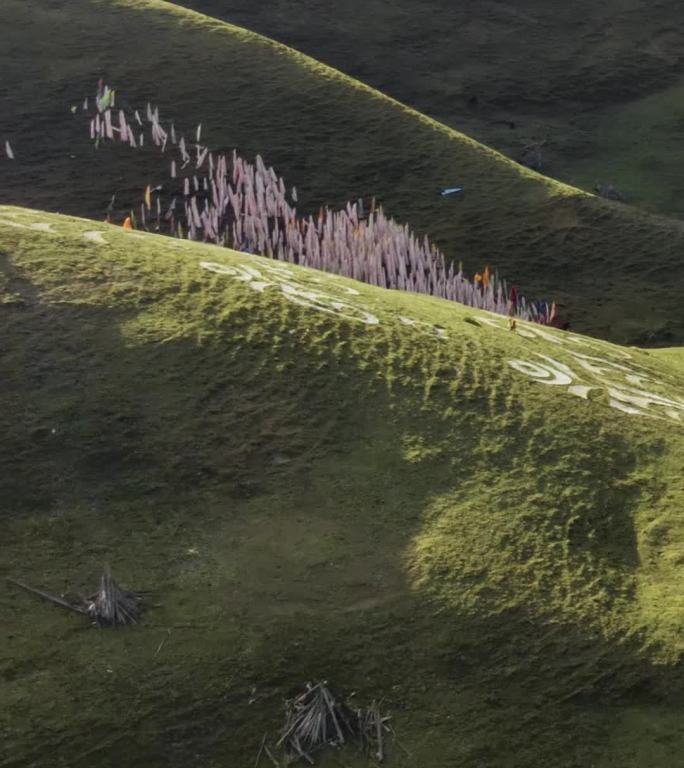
(637, 146)
(616, 271)
(310, 493)
(601, 82)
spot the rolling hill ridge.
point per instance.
(617, 270)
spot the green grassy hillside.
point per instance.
(617, 271)
(601, 82)
(323, 479)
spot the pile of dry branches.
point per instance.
(109, 606)
(112, 606)
(316, 719)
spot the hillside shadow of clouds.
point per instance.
(146, 422)
(90, 410)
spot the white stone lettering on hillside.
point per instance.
(563, 339)
(9, 223)
(95, 236)
(280, 277)
(38, 226)
(609, 372)
(621, 383)
(345, 288)
(622, 397)
(433, 330)
(546, 374)
(260, 276)
(154, 238)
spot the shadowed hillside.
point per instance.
(602, 83)
(319, 478)
(617, 272)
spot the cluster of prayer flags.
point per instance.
(231, 202)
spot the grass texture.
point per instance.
(323, 479)
(601, 83)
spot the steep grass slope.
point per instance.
(322, 479)
(601, 82)
(618, 271)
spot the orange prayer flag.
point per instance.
(485, 277)
(478, 277)
(127, 223)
